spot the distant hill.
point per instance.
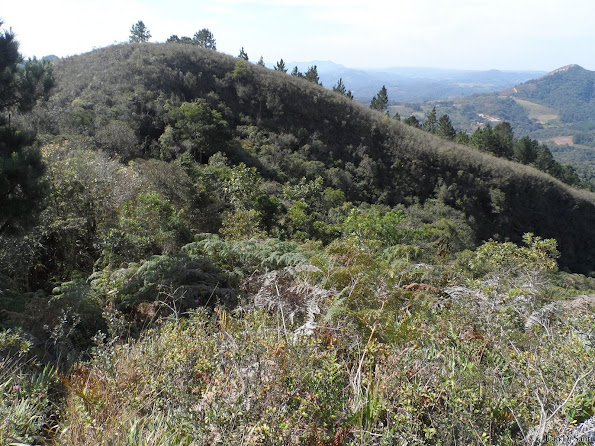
(557, 108)
(569, 90)
(407, 84)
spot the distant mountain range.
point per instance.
(408, 84)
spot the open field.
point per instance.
(540, 113)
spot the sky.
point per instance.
(460, 34)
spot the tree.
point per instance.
(184, 39)
(260, 62)
(445, 128)
(462, 138)
(22, 189)
(430, 123)
(504, 134)
(494, 140)
(10, 59)
(195, 128)
(204, 39)
(243, 54)
(380, 101)
(281, 66)
(341, 89)
(412, 121)
(525, 150)
(296, 72)
(139, 33)
(312, 75)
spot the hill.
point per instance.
(117, 99)
(569, 90)
(557, 108)
(231, 255)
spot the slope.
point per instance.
(120, 100)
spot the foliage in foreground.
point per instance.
(335, 345)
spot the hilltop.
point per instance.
(569, 90)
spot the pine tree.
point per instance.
(243, 54)
(341, 89)
(296, 72)
(380, 101)
(22, 189)
(281, 66)
(429, 124)
(525, 150)
(412, 121)
(260, 62)
(312, 75)
(445, 128)
(139, 33)
(505, 137)
(205, 39)
(462, 138)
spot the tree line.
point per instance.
(498, 140)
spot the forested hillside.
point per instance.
(557, 108)
(227, 254)
(144, 101)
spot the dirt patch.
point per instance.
(561, 140)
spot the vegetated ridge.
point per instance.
(290, 129)
(233, 255)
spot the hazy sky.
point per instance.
(469, 34)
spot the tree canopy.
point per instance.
(380, 101)
(341, 89)
(205, 39)
(312, 75)
(139, 33)
(280, 66)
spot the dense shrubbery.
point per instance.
(236, 255)
(338, 345)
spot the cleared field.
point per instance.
(560, 140)
(540, 113)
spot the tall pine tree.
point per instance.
(341, 89)
(205, 39)
(139, 33)
(445, 128)
(281, 66)
(243, 54)
(22, 189)
(380, 101)
(312, 75)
